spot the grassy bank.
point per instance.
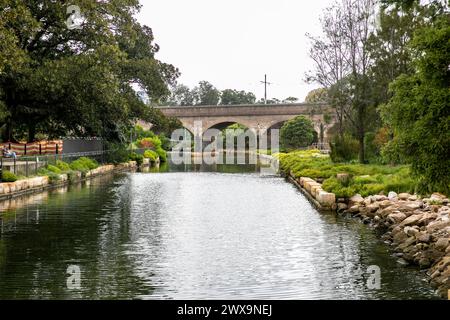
(363, 179)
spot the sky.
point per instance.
(233, 43)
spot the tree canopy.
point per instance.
(62, 80)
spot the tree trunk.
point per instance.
(31, 132)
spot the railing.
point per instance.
(30, 165)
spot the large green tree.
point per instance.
(231, 96)
(206, 94)
(60, 79)
(297, 133)
(419, 111)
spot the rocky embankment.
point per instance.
(417, 228)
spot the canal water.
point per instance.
(192, 232)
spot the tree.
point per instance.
(78, 81)
(206, 94)
(290, 100)
(317, 96)
(181, 95)
(419, 112)
(343, 60)
(234, 97)
(297, 133)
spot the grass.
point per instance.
(364, 179)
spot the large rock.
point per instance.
(396, 217)
(326, 199)
(411, 220)
(373, 207)
(379, 197)
(392, 196)
(305, 179)
(357, 198)
(385, 204)
(441, 244)
(404, 196)
(343, 178)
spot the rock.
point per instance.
(373, 207)
(367, 201)
(341, 200)
(343, 178)
(357, 198)
(441, 244)
(437, 196)
(411, 231)
(353, 209)
(392, 196)
(413, 198)
(423, 237)
(404, 196)
(411, 220)
(379, 197)
(447, 251)
(342, 206)
(326, 199)
(385, 204)
(304, 179)
(402, 262)
(396, 217)
(437, 225)
(414, 205)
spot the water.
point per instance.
(203, 233)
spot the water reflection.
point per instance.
(198, 233)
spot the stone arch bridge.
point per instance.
(258, 117)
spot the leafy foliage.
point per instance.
(419, 112)
(297, 133)
(8, 176)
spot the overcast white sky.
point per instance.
(233, 43)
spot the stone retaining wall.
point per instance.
(325, 200)
(30, 185)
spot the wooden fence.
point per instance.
(35, 148)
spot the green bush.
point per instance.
(297, 133)
(150, 142)
(139, 158)
(53, 177)
(8, 176)
(83, 164)
(53, 169)
(344, 149)
(150, 154)
(118, 153)
(63, 166)
(364, 179)
(162, 154)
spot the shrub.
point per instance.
(63, 166)
(344, 149)
(53, 169)
(118, 153)
(83, 164)
(150, 142)
(139, 158)
(297, 133)
(162, 154)
(8, 176)
(150, 154)
(52, 176)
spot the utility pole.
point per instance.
(265, 88)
